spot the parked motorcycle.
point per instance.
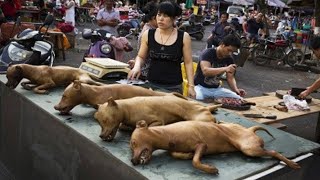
(195, 30)
(28, 47)
(105, 45)
(278, 49)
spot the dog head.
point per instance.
(140, 144)
(70, 98)
(14, 76)
(109, 117)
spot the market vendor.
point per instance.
(315, 47)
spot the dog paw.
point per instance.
(26, 86)
(212, 170)
(294, 165)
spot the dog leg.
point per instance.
(42, 89)
(259, 152)
(200, 149)
(26, 85)
(125, 127)
(181, 155)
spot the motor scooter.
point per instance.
(28, 47)
(104, 56)
(105, 45)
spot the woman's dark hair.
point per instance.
(150, 10)
(315, 43)
(169, 8)
(231, 40)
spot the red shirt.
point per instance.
(8, 9)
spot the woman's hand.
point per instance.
(131, 63)
(191, 92)
(134, 73)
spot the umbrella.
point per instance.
(189, 4)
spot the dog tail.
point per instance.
(213, 108)
(256, 128)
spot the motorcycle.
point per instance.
(28, 47)
(278, 49)
(105, 45)
(195, 30)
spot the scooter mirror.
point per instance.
(49, 19)
(87, 33)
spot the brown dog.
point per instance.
(45, 77)
(79, 93)
(158, 110)
(192, 139)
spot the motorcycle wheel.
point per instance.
(198, 36)
(81, 20)
(294, 57)
(259, 55)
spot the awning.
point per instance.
(277, 3)
(189, 4)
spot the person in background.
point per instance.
(189, 20)
(219, 31)
(213, 63)
(254, 25)
(150, 11)
(108, 18)
(70, 12)
(315, 47)
(166, 46)
(9, 10)
(134, 16)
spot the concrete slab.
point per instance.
(65, 147)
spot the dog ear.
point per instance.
(111, 102)
(18, 68)
(77, 84)
(141, 124)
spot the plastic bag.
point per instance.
(295, 104)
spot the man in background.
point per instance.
(108, 18)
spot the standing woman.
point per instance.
(70, 12)
(150, 22)
(166, 46)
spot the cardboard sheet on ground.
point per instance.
(163, 166)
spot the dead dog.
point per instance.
(80, 93)
(158, 110)
(42, 78)
(193, 139)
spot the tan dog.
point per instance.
(158, 110)
(80, 93)
(45, 77)
(193, 139)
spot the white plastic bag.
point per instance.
(295, 104)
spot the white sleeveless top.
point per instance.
(70, 13)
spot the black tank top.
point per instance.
(165, 60)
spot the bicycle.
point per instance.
(83, 16)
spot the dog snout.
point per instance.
(135, 161)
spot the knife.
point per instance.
(260, 116)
